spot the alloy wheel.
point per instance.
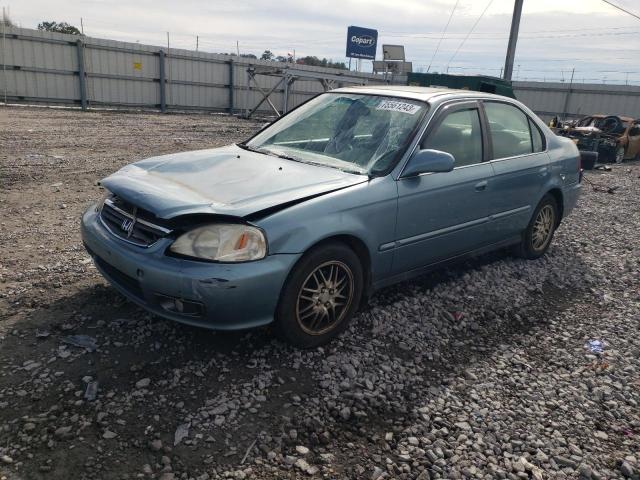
(325, 297)
(543, 227)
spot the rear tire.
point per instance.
(539, 233)
(320, 296)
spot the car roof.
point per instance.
(416, 93)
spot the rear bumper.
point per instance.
(216, 296)
(570, 196)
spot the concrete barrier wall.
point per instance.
(576, 100)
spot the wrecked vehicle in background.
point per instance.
(614, 138)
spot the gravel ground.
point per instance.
(482, 370)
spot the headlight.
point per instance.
(222, 243)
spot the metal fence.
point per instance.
(54, 68)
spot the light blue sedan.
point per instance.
(356, 189)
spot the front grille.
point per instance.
(129, 223)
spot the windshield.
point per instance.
(361, 134)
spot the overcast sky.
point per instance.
(602, 43)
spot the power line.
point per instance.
(443, 34)
(622, 9)
(538, 69)
(528, 35)
(470, 31)
(561, 30)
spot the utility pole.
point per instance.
(568, 95)
(4, 54)
(168, 71)
(81, 26)
(513, 39)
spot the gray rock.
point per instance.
(626, 469)
(182, 432)
(302, 450)
(349, 371)
(143, 383)
(301, 464)
(377, 473)
(345, 413)
(565, 462)
(585, 472)
(63, 432)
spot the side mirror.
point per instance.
(428, 161)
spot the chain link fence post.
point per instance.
(82, 74)
(163, 81)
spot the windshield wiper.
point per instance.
(282, 155)
(266, 151)
(244, 146)
(279, 154)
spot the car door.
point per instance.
(441, 215)
(521, 168)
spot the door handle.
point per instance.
(543, 171)
(481, 186)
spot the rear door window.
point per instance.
(509, 130)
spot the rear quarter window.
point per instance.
(536, 137)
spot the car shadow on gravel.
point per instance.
(99, 309)
(93, 307)
(192, 365)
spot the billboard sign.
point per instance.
(393, 52)
(362, 42)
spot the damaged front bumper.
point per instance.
(220, 296)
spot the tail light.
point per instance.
(580, 170)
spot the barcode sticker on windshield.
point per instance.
(395, 106)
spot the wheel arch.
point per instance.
(359, 248)
(556, 193)
(357, 245)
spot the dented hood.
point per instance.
(227, 181)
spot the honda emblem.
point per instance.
(127, 226)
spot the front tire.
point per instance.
(320, 296)
(539, 233)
